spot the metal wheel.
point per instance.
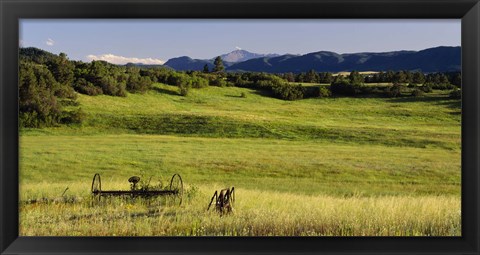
(176, 186)
(96, 184)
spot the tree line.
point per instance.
(409, 77)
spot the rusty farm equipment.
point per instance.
(223, 200)
(174, 189)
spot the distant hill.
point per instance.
(439, 59)
(142, 65)
(186, 63)
(243, 55)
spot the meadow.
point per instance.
(319, 166)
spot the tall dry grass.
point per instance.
(256, 213)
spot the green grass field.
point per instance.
(330, 166)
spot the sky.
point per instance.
(156, 41)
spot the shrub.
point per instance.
(184, 86)
(417, 93)
(184, 90)
(137, 83)
(343, 87)
(456, 94)
(73, 117)
(243, 95)
(241, 82)
(176, 79)
(289, 92)
(38, 103)
(264, 84)
(394, 91)
(111, 87)
(29, 119)
(219, 82)
(65, 92)
(324, 92)
(199, 82)
(85, 87)
(427, 88)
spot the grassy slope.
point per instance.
(410, 146)
(336, 147)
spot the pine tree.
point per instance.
(418, 78)
(218, 65)
(205, 69)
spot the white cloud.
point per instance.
(120, 60)
(50, 42)
(238, 48)
(21, 43)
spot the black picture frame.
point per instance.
(466, 10)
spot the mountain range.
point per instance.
(186, 63)
(243, 55)
(438, 59)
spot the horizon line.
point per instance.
(242, 49)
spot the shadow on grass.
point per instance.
(166, 91)
(410, 99)
(265, 93)
(149, 213)
(453, 104)
(439, 100)
(235, 96)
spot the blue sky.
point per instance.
(155, 41)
